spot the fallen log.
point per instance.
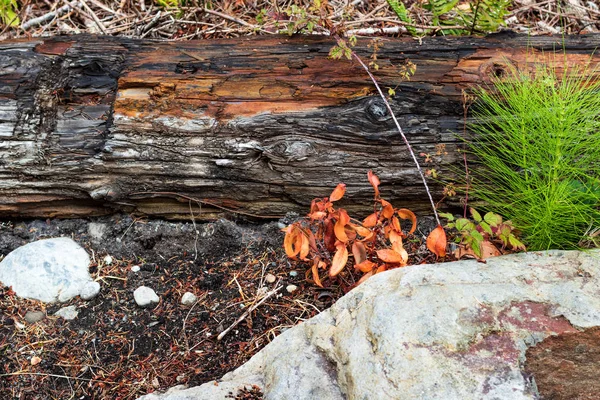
(257, 126)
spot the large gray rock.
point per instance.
(48, 270)
(445, 331)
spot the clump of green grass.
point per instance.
(537, 145)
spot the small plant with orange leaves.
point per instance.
(328, 238)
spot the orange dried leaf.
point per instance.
(436, 241)
(396, 224)
(317, 215)
(289, 241)
(339, 260)
(389, 256)
(315, 273)
(381, 268)
(343, 216)
(370, 221)
(387, 211)
(340, 232)
(362, 231)
(359, 252)
(396, 237)
(405, 213)
(397, 247)
(365, 266)
(365, 277)
(338, 192)
(304, 247)
(374, 181)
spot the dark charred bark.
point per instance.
(262, 125)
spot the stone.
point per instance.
(291, 288)
(47, 270)
(90, 290)
(270, 278)
(145, 297)
(188, 298)
(34, 316)
(449, 331)
(97, 232)
(108, 260)
(135, 268)
(68, 313)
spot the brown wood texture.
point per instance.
(260, 126)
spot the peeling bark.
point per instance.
(260, 126)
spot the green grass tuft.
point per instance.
(537, 145)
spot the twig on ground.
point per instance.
(247, 313)
(49, 16)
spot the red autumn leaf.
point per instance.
(374, 181)
(405, 213)
(389, 256)
(359, 252)
(338, 192)
(329, 235)
(365, 266)
(436, 241)
(339, 261)
(370, 221)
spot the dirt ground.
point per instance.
(115, 349)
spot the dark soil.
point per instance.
(115, 349)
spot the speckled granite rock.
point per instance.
(443, 331)
(48, 270)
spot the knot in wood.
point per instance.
(286, 152)
(496, 69)
(376, 110)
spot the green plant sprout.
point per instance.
(536, 142)
(9, 12)
(483, 235)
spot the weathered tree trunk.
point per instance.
(94, 125)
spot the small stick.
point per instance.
(94, 16)
(228, 17)
(404, 138)
(247, 313)
(51, 15)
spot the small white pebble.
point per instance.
(293, 273)
(270, 278)
(188, 298)
(135, 268)
(291, 288)
(108, 260)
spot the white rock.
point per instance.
(34, 316)
(270, 278)
(448, 331)
(135, 268)
(90, 290)
(108, 260)
(47, 270)
(188, 298)
(67, 313)
(144, 296)
(291, 288)
(97, 231)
